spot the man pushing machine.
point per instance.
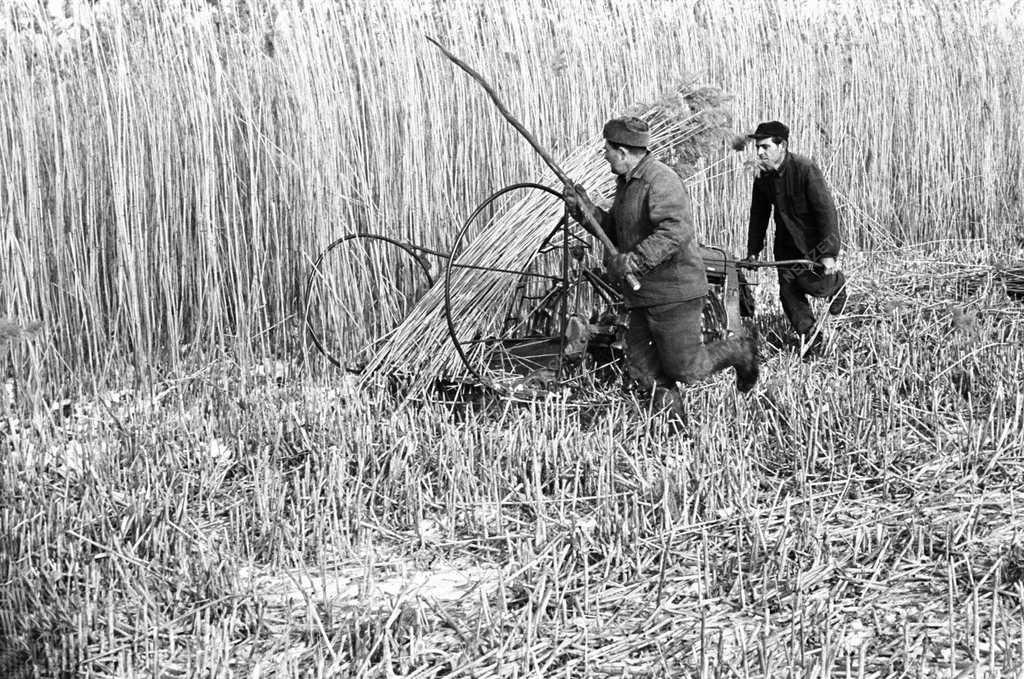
(651, 224)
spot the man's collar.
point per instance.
(784, 164)
(640, 168)
(778, 172)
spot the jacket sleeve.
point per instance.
(760, 211)
(823, 209)
(668, 209)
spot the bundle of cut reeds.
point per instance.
(1013, 279)
(1009, 277)
(685, 126)
(973, 278)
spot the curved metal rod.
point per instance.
(410, 249)
(445, 255)
(725, 256)
(452, 332)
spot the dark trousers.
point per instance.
(664, 344)
(794, 287)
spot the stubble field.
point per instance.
(856, 514)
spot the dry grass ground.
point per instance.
(853, 516)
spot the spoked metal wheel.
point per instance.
(360, 288)
(547, 323)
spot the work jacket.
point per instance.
(651, 217)
(806, 225)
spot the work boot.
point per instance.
(738, 353)
(838, 303)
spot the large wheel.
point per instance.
(358, 291)
(554, 326)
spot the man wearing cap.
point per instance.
(806, 227)
(650, 223)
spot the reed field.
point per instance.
(188, 489)
(171, 169)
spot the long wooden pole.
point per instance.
(590, 219)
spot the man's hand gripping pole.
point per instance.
(590, 219)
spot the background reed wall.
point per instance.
(170, 169)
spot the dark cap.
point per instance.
(628, 131)
(772, 128)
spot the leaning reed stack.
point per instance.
(684, 127)
(974, 278)
(1013, 279)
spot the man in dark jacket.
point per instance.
(651, 224)
(806, 227)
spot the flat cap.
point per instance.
(628, 131)
(772, 128)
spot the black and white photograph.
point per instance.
(512, 339)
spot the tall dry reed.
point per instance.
(170, 169)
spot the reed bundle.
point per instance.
(1010, 277)
(1013, 279)
(971, 279)
(685, 126)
